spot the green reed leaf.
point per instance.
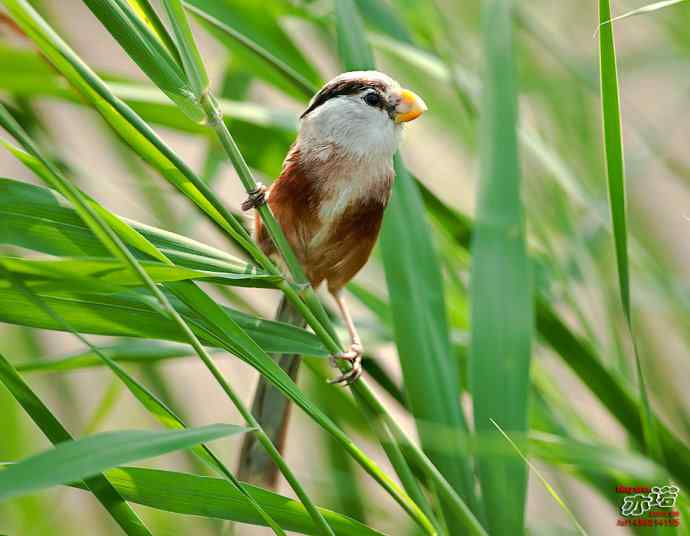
(74, 460)
(216, 498)
(99, 485)
(186, 45)
(615, 170)
(502, 310)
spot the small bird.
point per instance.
(329, 200)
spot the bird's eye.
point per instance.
(372, 98)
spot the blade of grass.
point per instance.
(430, 375)
(543, 480)
(148, 15)
(99, 485)
(148, 52)
(191, 59)
(500, 282)
(106, 405)
(353, 48)
(402, 469)
(139, 352)
(24, 73)
(213, 497)
(76, 459)
(219, 20)
(380, 14)
(112, 315)
(111, 271)
(656, 6)
(38, 218)
(346, 493)
(615, 171)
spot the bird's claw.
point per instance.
(354, 357)
(256, 198)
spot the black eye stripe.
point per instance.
(343, 87)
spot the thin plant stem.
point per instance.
(214, 117)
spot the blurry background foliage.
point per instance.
(511, 209)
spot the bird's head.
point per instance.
(362, 112)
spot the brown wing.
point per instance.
(293, 201)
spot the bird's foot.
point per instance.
(257, 197)
(354, 357)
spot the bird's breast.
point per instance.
(350, 195)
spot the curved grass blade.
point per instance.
(99, 485)
(214, 497)
(39, 219)
(656, 6)
(502, 304)
(106, 405)
(24, 73)
(138, 352)
(113, 314)
(74, 460)
(111, 271)
(615, 171)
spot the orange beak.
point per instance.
(410, 107)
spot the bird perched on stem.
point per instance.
(329, 200)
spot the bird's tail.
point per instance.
(271, 408)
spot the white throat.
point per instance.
(360, 131)
(349, 150)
